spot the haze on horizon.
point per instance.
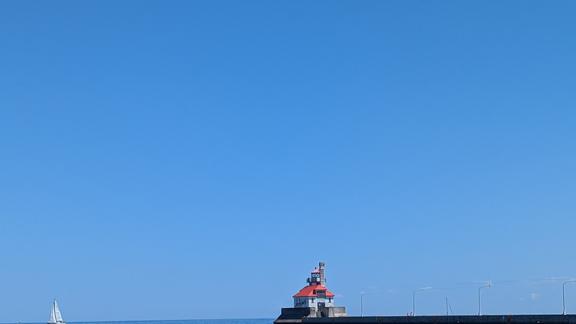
(162, 158)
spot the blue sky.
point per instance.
(160, 158)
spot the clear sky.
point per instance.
(196, 159)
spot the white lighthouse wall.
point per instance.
(312, 302)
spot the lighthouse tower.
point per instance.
(314, 300)
(315, 295)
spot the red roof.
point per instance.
(311, 291)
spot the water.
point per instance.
(199, 321)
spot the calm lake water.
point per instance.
(207, 321)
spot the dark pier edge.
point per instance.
(464, 319)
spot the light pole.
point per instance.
(564, 294)
(362, 304)
(487, 285)
(414, 298)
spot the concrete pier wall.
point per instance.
(484, 319)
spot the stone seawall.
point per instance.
(471, 319)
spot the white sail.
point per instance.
(52, 319)
(58, 313)
(55, 315)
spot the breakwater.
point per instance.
(456, 319)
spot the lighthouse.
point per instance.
(315, 294)
(314, 300)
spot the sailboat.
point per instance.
(55, 315)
